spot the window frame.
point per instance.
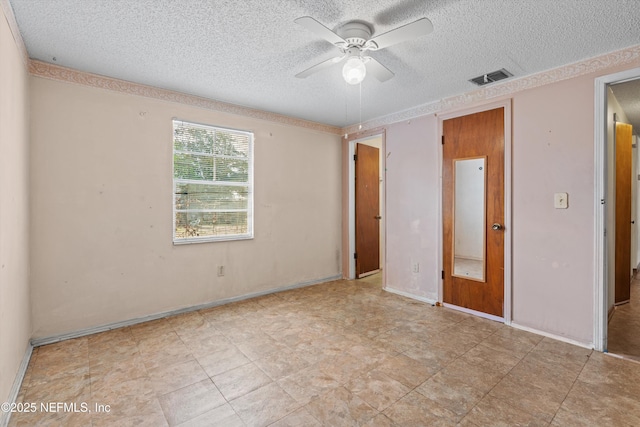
(249, 184)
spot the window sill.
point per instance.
(181, 242)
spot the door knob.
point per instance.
(496, 226)
(378, 217)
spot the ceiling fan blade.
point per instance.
(320, 66)
(411, 31)
(314, 26)
(378, 70)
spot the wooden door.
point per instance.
(476, 136)
(367, 210)
(623, 212)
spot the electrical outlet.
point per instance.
(416, 267)
(220, 270)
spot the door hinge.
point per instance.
(442, 139)
(355, 157)
(442, 274)
(355, 255)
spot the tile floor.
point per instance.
(343, 353)
(624, 327)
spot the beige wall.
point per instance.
(15, 324)
(101, 194)
(553, 249)
(413, 210)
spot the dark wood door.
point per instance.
(623, 212)
(479, 135)
(367, 210)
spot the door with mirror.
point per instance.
(473, 211)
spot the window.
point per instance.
(212, 183)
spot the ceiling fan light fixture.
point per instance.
(354, 70)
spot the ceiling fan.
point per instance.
(354, 41)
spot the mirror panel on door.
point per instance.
(469, 230)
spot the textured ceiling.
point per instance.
(248, 52)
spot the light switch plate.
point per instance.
(561, 200)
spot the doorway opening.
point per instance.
(617, 305)
(374, 142)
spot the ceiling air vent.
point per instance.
(491, 77)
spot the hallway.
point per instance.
(624, 327)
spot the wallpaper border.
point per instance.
(592, 65)
(596, 64)
(15, 31)
(69, 75)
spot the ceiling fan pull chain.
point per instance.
(360, 124)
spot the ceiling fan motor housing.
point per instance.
(355, 33)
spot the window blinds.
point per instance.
(213, 183)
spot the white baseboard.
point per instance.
(622, 357)
(36, 342)
(369, 273)
(17, 383)
(553, 336)
(408, 295)
(474, 312)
